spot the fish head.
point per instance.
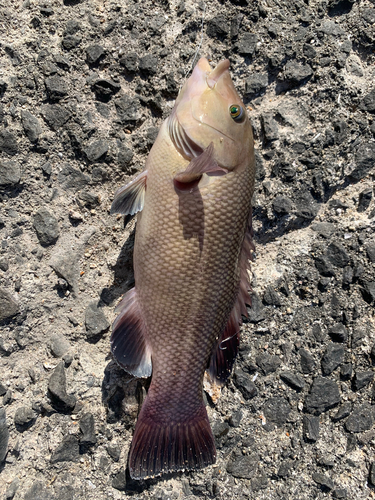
(209, 110)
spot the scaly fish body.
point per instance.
(188, 258)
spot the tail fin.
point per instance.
(162, 447)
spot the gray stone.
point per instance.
(343, 412)
(282, 205)
(4, 435)
(127, 110)
(276, 410)
(67, 451)
(368, 102)
(70, 42)
(87, 428)
(354, 66)
(119, 480)
(323, 480)
(55, 115)
(24, 417)
(293, 379)
(337, 255)
(8, 142)
(31, 126)
(325, 229)
(12, 489)
(256, 83)
(256, 313)
(244, 384)
(46, 227)
(218, 27)
(125, 156)
(8, 306)
(38, 492)
(130, 62)
(95, 320)
(267, 363)
(296, 73)
(270, 127)
(72, 179)
(66, 265)
(362, 379)
(58, 345)
(57, 390)
(56, 87)
(114, 451)
(104, 89)
(338, 333)
(311, 428)
(94, 53)
(96, 150)
(365, 160)
(332, 358)
(243, 467)
(10, 173)
(362, 419)
(247, 44)
(307, 361)
(324, 394)
(370, 250)
(271, 297)
(260, 482)
(148, 64)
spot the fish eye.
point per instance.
(237, 113)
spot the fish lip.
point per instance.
(217, 73)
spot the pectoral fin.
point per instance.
(202, 164)
(129, 199)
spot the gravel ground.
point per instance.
(84, 87)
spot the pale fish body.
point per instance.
(191, 254)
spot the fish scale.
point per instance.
(188, 267)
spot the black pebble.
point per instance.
(338, 333)
(294, 380)
(94, 53)
(324, 394)
(276, 410)
(343, 412)
(256, 312)
(67, 451)
(324, 481)
(370, 250)
(256, 83)
(267, 363)
(307, 361)
(337, 255)
(311, 428)
(24, 418)
(346, 371)
(4, 435)
(87, 427)
(57, 390)
(95, 321)
(56, 87)
(362, 379)
(282, 205)
(364, 159)
(362, 419)
(96, 150)
(46, 227)
(364, 200)
(332, 358)
(372, 474)
(245, 385)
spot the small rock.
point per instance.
(296, 73)
(361, 419)
(235, 418)
(354, 65)
(37, 491)
(125, 156)
(87, 427)
(89, 199)
(247, 43)
(24, 418)
(276, 410)
(119, 480)
(12, 489)
(340, 493)
(362, 379)
(368, 290)
(364, 159)
(256, 312)
(70, 42)
(4, 264)
(130, 62)
(31, 126)
(259, 482)
(94, 54)
(3, 389)
(56, 87)
(311, 428)
(370, 250)
(4, 435)
(67, 451)
(343, 412)
(256, 83)
(55, 115)
(245, 385)
(337, 254)
(72, 179)
(346, 371)
(309, 51)
(8, 306)
(218, 27)
(324, 394)
(323, 265)
(372, 474)
(46, 227)
(8, 142)
(285, 468)
(368, 102)
(58, 345)
(114, 451)
(95, 320)
(243, 467)
(267, 363)
(293, 379)
(307, 361)
(57, 390)
(96, 150)
(148, 64)
(324, 481)
(10, 173)
(127, 110)
(282, 205)
(104, 89)
(270, 127)
(338, 333)
(332, 358)
(364, 200)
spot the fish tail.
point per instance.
(163, 447)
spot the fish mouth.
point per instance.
(217, 73)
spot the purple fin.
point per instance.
(129, 199)
(162, 447)
(128, 342)
(202, 164)
(224, 355)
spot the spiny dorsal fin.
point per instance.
(129, 199)
(128, 341)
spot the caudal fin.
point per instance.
(162, 447)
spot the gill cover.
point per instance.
(203, 113)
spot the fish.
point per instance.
(192, 248)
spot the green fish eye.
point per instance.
(237, 113)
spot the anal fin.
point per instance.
(128, 342)
(129, 199)
(163, 447)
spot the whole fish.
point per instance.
(191, 254)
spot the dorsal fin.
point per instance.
(129, 199)
(225, 352)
